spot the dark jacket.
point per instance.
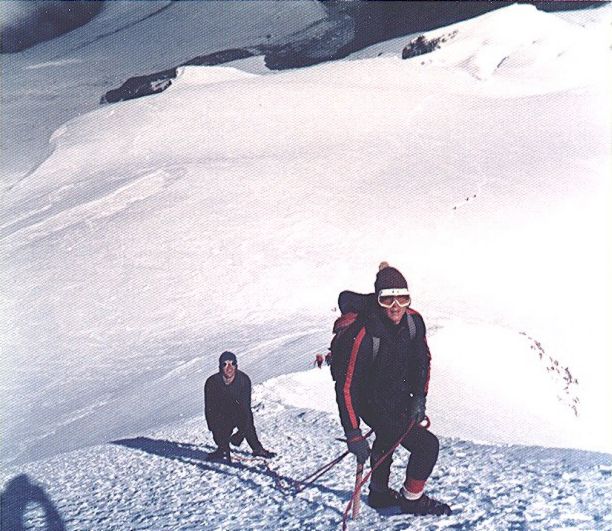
(222, 401)
(380, 390)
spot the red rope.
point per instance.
(308, 480)
(357, 490)
(295, 485)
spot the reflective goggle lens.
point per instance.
(227, 363)
(387, 301)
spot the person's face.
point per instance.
(229, 369)
(395, 313)
(394, 303)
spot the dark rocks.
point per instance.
(350, 25)
(421, 45)
(223, 56)
(139, 86)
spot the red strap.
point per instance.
(349, 378)
(344, 321)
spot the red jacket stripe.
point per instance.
(349, 378)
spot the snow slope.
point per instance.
(46, 85)
(160, 479)
(230, 210)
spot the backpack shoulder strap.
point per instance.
(411, 325)
(375, 347)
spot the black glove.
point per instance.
(416, 409)
(236, 439)
(358, 445)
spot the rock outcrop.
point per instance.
(348, 27)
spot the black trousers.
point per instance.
(422, 445)
(235, 417)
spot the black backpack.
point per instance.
(348, 333)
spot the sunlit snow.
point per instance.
(230, 210)
(160, 479)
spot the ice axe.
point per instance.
(357, 491)
(360, 481)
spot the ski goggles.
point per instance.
(388, 297)
(227, 363)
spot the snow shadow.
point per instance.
(163, 448)
(14, 500)
(194, 455)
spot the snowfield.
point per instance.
(229, 211)
(160, 479)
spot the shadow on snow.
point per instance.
(14, 500)
(194, 455)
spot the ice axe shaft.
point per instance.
(357, 493)
(359, 484)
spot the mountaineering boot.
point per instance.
(220, 455)
(424, 505)
(379, 499)
(262, 452)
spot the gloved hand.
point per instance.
(358, 445)
(237, 438)
(416, 409)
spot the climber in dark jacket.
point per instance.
(227, 405)
(385, 382)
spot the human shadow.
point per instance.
(20, 492)
(194, 455)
